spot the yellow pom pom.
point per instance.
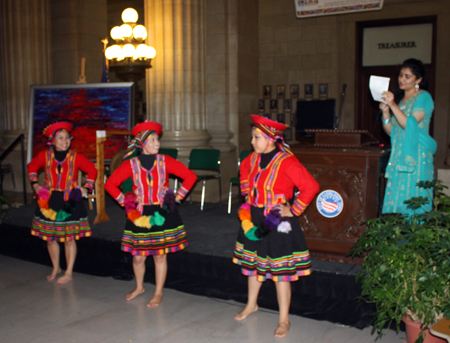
(247, 225)
(143, 221)
(53, 215)
(48, 213)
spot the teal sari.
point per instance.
(411, 157)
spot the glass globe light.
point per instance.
(113, 51)
(140, 32)
(126, 31)
(121, 56)
(116, 33)
(129, 15)
(151, 52)
(128, 50)
(141, 51)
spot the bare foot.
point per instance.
(52, 276)
(246, 312)
(282, 329)
(64, 279)
(155, 301)
(135, 293)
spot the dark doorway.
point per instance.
(367, 110)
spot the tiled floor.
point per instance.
(94, 309)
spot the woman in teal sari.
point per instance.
(412, 151)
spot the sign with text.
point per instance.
(391, 45)
(312, 8)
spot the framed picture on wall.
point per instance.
(261, 105)
(293, 119)
(287, 105)
(281, 91)
(309, 91)
(294, 91)
(281, 118)
(89, 107)
(267, 91)
(273, 105)
(323, 90)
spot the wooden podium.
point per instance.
(350, 173)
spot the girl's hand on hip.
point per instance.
(84, 192)
(285, 210)
(37, 187)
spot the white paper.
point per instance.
(378, 85)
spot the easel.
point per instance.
(102, 136)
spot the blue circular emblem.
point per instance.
(329, 203)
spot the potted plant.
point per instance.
(406, 268)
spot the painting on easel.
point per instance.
(89, 107)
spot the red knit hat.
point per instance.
(51, 129)
(147, 125)
(269, 123)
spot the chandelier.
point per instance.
(129, 56)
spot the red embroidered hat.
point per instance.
(269, 123)
(147, 125)
(51, 129)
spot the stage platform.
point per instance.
(204, 268)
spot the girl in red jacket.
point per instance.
(154, 226)
(271, 244)
(60, 216)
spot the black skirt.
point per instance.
(159, 239)
(74, 227)
(278, 256)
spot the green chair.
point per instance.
(174, 154)
(169, 151)
(235, 180)
(206, 159)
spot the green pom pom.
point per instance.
(157, 219)
(251, 234)
(61, 216)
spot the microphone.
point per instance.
(398, 93)
(394, 90)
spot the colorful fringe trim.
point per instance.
(284, 268)
(61, 215)
(155, 243)
(271, 221)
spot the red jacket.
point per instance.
(275, 184)
(67, 179)
(150, 185)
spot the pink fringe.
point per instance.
(129, 202)
(43, 194)
(245, 206)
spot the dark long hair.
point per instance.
(417, 68)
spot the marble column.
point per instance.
(175, 86)
(26, 60)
